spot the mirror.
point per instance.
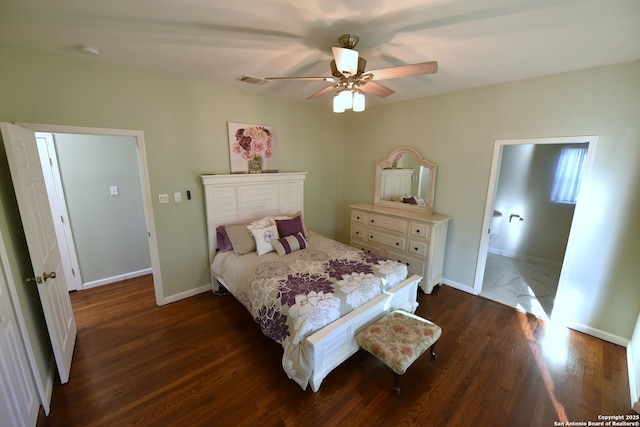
(406, 180)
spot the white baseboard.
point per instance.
(118, 278)
(186, 294)
(527, 258)
(605, 336)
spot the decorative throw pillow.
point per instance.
(260, 223)
(240, 238)
(410, 200)
(263, 238)
(288, 244)
(288, 227)
(224, 244)
(292, 216)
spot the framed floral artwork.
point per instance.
(252, 148)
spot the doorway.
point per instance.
(526, 228)
(140, 151)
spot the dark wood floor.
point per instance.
(203, 361)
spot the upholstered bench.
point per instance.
(398, 339)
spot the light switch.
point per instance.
(177, 197)
(115, 191)
(163, 198)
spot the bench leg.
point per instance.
(396, 384)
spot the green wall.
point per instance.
(457, 131)
(185, 128)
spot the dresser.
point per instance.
(414, 238)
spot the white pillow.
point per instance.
(260, 223)
(263, 237)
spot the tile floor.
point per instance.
(521, 284)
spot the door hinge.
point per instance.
(61, 219)
(73, 272)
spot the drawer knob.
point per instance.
(372, 221)
(417, 231)
(416, 249)
(357, 232)
(371, 237)
(357, 217)
(397, 243)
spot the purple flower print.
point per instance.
(302, 284)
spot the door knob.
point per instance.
(51, 275)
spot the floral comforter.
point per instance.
(297, 294)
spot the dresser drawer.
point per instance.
(357, 231)
(357, 216)
(420, 229)
(387, 240)
(359, 244)
(414, 265)
(398, 225)
(418, 248)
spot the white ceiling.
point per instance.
(476, 42)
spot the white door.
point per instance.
(28, 182)
(18, 399)
(49, 163)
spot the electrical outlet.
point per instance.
(163, 198)
(177, 197)
(115, 191)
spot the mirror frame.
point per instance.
(420, 161)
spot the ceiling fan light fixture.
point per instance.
(358, 102)
(346, 60)
(338, 107)
(346, 98)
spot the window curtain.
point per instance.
(566, 183)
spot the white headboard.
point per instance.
(238, 198)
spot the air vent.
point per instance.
(251, 80)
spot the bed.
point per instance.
(309, 293)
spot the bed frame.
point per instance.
(231, 199)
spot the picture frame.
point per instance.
(252, 148)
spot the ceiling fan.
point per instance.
(349, 77)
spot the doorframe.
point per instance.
(496, 161)
(143, 169)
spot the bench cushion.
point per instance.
(398, 339)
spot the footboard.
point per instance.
(336, 342)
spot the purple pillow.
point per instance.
(224, 244)
(289, 227)
(410, 200)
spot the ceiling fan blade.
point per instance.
(326, 79)
(404, 71)
(322, 92)
(346, 60)
(376, 89)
